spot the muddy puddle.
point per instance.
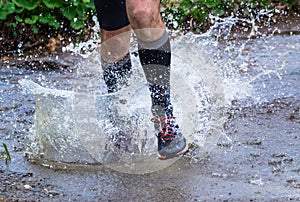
(256, 157)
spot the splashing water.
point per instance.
(244, 73)
(202, 88)
(73, 126)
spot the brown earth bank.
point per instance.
(20, 41)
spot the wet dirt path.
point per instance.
(260, 163)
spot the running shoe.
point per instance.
(171, 142)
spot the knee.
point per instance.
(140, 11)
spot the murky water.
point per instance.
(256, 157)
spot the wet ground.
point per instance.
(256, 159)
(261, 163)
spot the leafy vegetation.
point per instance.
(30, 24)
(76, 13)
(194, 14)
(52, 13)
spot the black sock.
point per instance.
(161, 103)
(155, 58)
(117, 73)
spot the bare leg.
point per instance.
(115, 28)
(115, 44)
(145, 14)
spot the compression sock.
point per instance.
(155, 57)
(116, 74)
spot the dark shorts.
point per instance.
(111, 14)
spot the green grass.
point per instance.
(5, 155)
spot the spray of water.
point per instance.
(73, 126)
(209, 71)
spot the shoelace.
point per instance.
(167, 125)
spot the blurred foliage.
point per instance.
(190, 13)
(76, 13)
(52, 13)
(32, 24)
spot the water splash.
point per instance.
(226, 72)
(71, 126)
(84, 48)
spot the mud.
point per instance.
(257, 161)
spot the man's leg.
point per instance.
(154, 51)
(116, 63)
(155, 57)
(115, 38)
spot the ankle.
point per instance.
(161, 102)
(116, 74)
